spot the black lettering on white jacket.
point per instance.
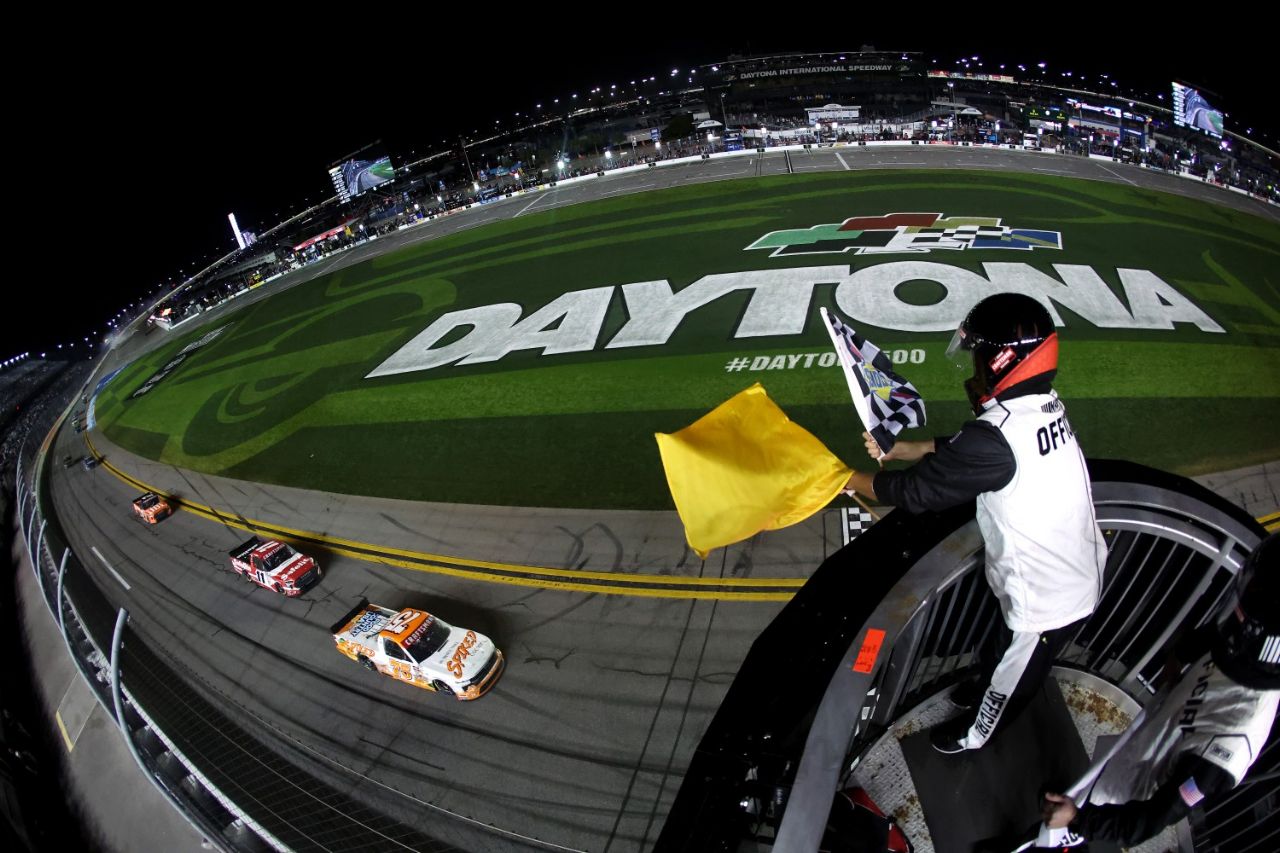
(1022, 465)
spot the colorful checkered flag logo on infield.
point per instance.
(885, 401)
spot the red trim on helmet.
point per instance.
(1042, 359)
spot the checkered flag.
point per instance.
(854, 520)
(885, 401)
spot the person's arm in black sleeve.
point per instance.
(977, 459)
(1138, 820)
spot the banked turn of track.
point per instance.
(612, 677)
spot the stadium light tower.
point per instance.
(235, 229)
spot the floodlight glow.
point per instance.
(235, 229)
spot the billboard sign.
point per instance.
(1037, 112)
(1190, 109)
(877, 65)
(833, 113)
(354, 177)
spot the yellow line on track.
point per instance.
(668, 586)
(659, 586)
(63, 728)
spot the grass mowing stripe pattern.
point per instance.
(282, 396)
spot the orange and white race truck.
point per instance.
(423, 650)
(150, 507)
(274, 565)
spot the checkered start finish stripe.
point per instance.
(854, 521)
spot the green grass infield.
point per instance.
(1172, 359)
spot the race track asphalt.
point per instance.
(584, 741)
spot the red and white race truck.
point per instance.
(415, 647)
(274, 565)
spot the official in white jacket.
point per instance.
(1020, 461)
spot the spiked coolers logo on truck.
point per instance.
(896, 233)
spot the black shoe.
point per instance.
(967, 694)
(945, 740)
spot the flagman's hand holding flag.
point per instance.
(903, 451)
(745, 467)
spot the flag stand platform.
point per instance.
(944, 803)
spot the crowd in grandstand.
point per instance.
(31, 397)
(774, 109)
(33, 812)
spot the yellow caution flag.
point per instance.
(745, 467)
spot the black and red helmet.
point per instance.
(1012, 339)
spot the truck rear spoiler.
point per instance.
(354, 612)
(245, 547)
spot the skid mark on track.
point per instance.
(534, 658)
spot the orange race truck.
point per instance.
(150, 507)
(420, 649)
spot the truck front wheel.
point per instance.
(441, 687)
(366, 663)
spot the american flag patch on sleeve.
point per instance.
(1190, 793)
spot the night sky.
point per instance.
(141, 142)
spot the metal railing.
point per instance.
(1169, 565)
(239, 794)
(914, 583)
(93, 658)
(768, 774)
